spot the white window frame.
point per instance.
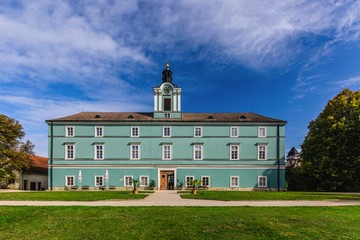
(164, 157)
(260, 184)
(67, 131)
(96, 151)
(125, 180)
(236, 131)
(195, 151)
(167, 115)
(165, 133)
(262, 132)
(138, 152)
(132, 131)
(101, 131)
(231, 151)
(66, 180)
(231, 182)
(259, 150)
(202, 181)
(147, 181)
(198, 131)
(186, 181)
(95, 182)
(66, 151)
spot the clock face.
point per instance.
(167, 90)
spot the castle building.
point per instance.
(96, 150)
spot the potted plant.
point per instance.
(136, 184)
(152, 184)
(195, 183)
(180, 185)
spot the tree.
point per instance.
(330, 158)
(14, 154)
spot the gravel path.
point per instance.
(171, 198)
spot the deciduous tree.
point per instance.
(14, 154)
(331, 150)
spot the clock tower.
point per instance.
(167, 97)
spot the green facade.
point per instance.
(215, 167)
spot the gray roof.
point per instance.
(149, 117)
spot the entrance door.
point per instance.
(32, 185)
(25, 184)
(166, 180)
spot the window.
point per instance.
(134, 152)
(69, 151)
(262, 181)
(262, 132)
(234, 152)
(128, 181)
(167, 115)
(167, 104)
(144, 181)
(135, 132)
(99, 131)
(99, 181)
(166, 152)
(234, 131)
(197, 131)
(189, 181)
(99, 151)
(69, 181)
(198, 152)
(11, 181)
(166, 132)
(70, 131)
(205, 181)
(262, 152)
(234, 181)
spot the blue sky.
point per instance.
(282, 59)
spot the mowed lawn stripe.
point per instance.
(179, 223)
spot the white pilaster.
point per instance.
(179, 101)
(160, 102)
(156, 108)
(175, 101)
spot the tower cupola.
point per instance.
(167, 74)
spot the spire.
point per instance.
(167, 73)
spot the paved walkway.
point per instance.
(171, 198)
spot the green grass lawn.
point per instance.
(179, 223)
(245, 196)
(70, 195)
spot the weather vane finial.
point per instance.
(167, 64)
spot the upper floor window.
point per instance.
(134, 151)
(262, 132)
(167, 115)
(197, 131)
(135, 131)
(262, 152)
(166, 132)
(70, 151)
(234, 151)
(69, 181)
(234, 181)
(69, 131)
(262, 181)
(166, 152)
(198, 152)
(234, 131)
(99, 151)
(99, 131)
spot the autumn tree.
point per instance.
(331, 150)
(14, 154)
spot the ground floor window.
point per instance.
(11, 181)
(128, 181)
(189, 181)
(262, 181)
(234, 181)
(69, 181)
(144, 181)
(99, 181)
(205, 181)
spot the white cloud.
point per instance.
(349, 82)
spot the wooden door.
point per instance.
(163, 181)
